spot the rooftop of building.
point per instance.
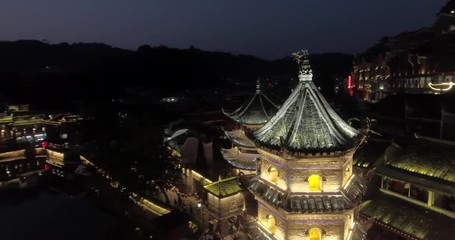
(411, 220)
(238, 159)
(239, 138)
(256, 111)
(367, 154)
(224, 187)
(309, 202)
(306, 123)
(426, 162)
(429, 157)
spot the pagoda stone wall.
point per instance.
(332, 229)
(334, 172)
(346, 171)
(291, 226)
(329, 179)
(226, 206)
(267, 175)
(264, 213)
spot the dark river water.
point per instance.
(42, 213)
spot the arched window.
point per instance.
(314, 234)
(314, 182)
(273, 173)
(271, 223)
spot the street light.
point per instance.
(199, 205)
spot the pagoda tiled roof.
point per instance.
(306, 123)
(238, 159)
(256, 111)
(239, 138)
(309, 202)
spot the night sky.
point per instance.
(267, 29)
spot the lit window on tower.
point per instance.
(271, 223)
(314, 234)
(314, 183)
(273, 172)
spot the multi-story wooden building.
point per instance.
(305, 186)
(420, 61)
(416, 193)
(252, 115)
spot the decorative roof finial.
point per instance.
(258, 86)
(302, 59)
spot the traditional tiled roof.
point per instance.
(416, 179)
(256, 111)
(409, 219)
(224, 187)
(309, 202)
(369, 152)
(239, 138)
(430, 158)
(306, 123)
(236, 158)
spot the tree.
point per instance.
(160, 169)
(144, 48)
(149, 162)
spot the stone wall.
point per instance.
(264, 215)
(296, 226)
(227, 206)
(334, 171)
(282, 174)
(330, 179)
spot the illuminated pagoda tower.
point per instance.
(305, 187)
(252, 115)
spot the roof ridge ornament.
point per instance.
(306, 123)
(302, 59)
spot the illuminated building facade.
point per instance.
(225, 201)
(420, 61)
(17, 125)
(15, 163)
(63, 130)
(305, 187)
(370, 77)
(25, 136)
(252, 115)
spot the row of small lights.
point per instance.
(396, 231)
(145, 203)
